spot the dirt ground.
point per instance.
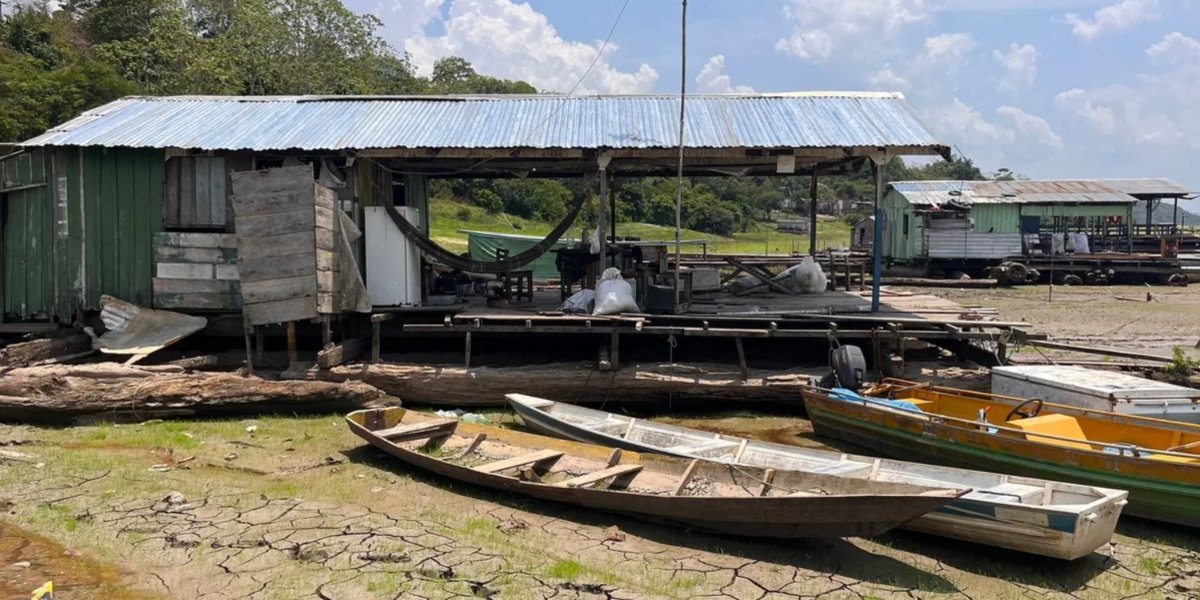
(300, 508)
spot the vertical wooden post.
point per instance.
(862, 275)
(742, 359)
(258, 343)
(812, 218)
(468, 351)
(847, 264)
(615, 353)
(326, 332)
(293, 353)
(374, 342)
(246, 334)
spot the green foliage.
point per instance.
(1181, 368)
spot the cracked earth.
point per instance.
(299, 508)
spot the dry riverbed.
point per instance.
(299, 508)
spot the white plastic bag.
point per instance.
(1081, 244)
(613, 295)
(579, 301)
(1057, 244)
(808, 278)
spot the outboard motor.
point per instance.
(849, 367)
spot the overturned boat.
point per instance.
(1049, 518)
(695, 494)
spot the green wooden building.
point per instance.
(988, 220)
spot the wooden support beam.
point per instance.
(416, 431)
(467, 351)
(337, 354)
(742, 359)
(197, 362)
(688, 474)
(326, 331)
(615, 351)
(614, 458)
(250, 360)
(375, 335)
(768, 479)
(474, 445)
(293, 352)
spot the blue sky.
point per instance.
(1050, 89)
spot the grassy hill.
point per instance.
(447, 218)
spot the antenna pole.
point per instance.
(679, 190)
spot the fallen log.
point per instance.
(940, 283)
(63, 393)
(573, 382)
(56, 345)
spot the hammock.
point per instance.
(435, 252)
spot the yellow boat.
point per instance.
(1157, 461)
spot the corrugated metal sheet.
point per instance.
(325, 123)
(1157, 188)
(1079, 191)
(969, 244)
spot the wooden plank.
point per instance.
(187, 191)
(171, 194)
(203, 183)
(324, 281)
(256, 269)
(473, 446)
(613, 458)
(325, 260)
(295, 220)
(340, 353)
(687, 477)
(226, 272)
(741, 350)
(296, 309)
(292, 350)
(194, 286)
(768, 479)
(601, 475)
(532, 458)
(324, 239)
(183, 271)
(290, 179)
(195, 255)
(323, 218)
(245, 205)
(195, 239)
(325, 304)
(197, 301)
(216, 185)
(1100, 351)
(323, 196)
(250, 248)
(196, 362)
(274, 290)
(416, 431)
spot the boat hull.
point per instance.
(833, 516)
(1037, 530)
(896, 435)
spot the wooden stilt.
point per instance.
(742, 359)
(467, 360)
(615, 353)
(326, 331)
(246, 333)
(258, 343)
(293, 353)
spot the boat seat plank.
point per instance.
(1062, 426)
(601, 475)
(1008, 492)
(842, 468)
(522, 460)
(607, 426)
(415, 431)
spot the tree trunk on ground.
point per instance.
(62, 394)
(573, 382)
(24, 353)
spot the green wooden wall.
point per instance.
(27, 209)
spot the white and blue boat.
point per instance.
(1048, 518)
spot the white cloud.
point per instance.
(886, 79)
(1032, 126)
(505, 39)
(948, 49)
(823, 28)
(1157, 109)
(714, 80)
(1019, 66)
(1122, 15)
(958, 121)
(406, 18)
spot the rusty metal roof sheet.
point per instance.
(801, 120)
(1078, 191)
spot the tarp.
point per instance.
(483, 245)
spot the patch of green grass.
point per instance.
(481, 525)
(568, 570)
(386, 583)
(1150, 565)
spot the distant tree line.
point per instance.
(56, 64)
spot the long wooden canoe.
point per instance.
(1049, 518)
(693, 494)
(1157, 461)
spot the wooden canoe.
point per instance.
(1157, 461)
(693, 494)
(1048, 518)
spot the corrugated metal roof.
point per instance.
(1157, 188)
(1078, 191)
(816, 120)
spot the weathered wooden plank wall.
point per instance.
(196, 271)
(285, 244)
